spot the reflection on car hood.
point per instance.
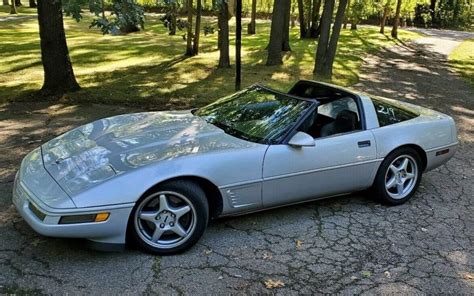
(95, 152)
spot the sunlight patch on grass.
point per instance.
(462, 59)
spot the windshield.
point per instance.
(255, 114)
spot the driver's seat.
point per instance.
(345, 121)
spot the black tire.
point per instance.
(379, 187)
(196, 198)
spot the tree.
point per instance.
(314, 29)
(301, 18)
(169, 19)
(223, 34)
(6, 3)
(197, 28)
(130, 16)
(173, 14)
(309, 25)
(454, 14)
(13, 7)
(279, 35)
(346, 19)
(386, 11)
(253, 15)
(286, 27)
(58, 73)
(18, 3)
(397, 19)
(356, 12)
(189, 35)
(32, 3)
(434, 21)
(327, 45)
(126, 16)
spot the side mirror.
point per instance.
(301, 139)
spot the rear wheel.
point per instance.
(398, 176)
(171, 219)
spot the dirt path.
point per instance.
(344, 245)
(418, 72)
(442, 41)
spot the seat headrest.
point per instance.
(347, 116)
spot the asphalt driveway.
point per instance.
(343, 245)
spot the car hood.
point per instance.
(96, 152)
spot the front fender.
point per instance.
(222, 168)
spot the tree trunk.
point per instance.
(397, 20)
(322, 47)
(58, 73)
(173, 13)
(276, 33)
(292, 16)
(13, 7)
(336, 31)
(314, 30)
(197, 29)
(384, 18)
(347, 12)
(353, 26)
(286, 27)
(303, 29)
(6, 3)
(253, 16)
(102, 8)
(223, 35)
(189, 34)
(433, 13)
(32, 3)
(18, 3)
(327, 45)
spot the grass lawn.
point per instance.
(149, 67)
(462, 59)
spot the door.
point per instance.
(337, 164)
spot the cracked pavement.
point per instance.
(345, 245)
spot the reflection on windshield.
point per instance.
(255, 114)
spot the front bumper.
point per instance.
(45, 220)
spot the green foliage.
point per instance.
(73, 8)
(453, 14)
(126, 15)
(357, 11)
(171, 13)
(422, 15)
(456, 14)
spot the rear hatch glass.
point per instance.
(390, 113)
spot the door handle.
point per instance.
(363, 144)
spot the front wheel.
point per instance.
(171, 219)
(398, 176)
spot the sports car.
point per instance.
(155, 179)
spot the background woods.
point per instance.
(167, 49)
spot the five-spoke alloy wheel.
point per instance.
(398, 176)
(401, 177)
(170, 219)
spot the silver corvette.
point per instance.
(155, 179)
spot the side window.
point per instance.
(389, 114)
(333, 117)
(333, 108)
